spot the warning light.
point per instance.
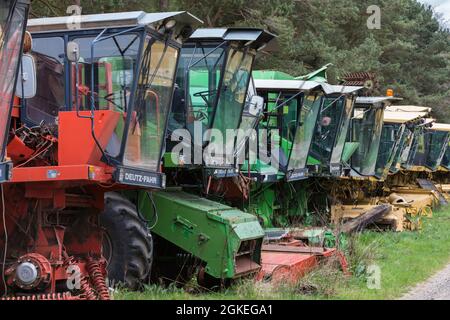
(390, 93)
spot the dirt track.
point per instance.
(435, 288)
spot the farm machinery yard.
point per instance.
(142, 148)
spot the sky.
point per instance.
(440, 6)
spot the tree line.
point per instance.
(409, 53)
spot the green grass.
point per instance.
(404, 259)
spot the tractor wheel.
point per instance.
(127, 243)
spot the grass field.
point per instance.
(404, 259)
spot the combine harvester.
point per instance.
(364, 192)
(95, 125)
(308, 121)
(421, 165)
(195, 235)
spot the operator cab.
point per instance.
(363, 144)
(417, 116)
(312, 119)
(13, 18)
(397, 129)
(428, 147)
(104, 92)
(287, 128)
(331, 130)
(211, 95)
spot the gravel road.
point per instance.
(435, 288)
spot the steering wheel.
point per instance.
(109, 98)
(201, 115)
(205, 94)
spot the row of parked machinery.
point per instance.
(115, 165)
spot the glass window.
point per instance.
(367, 127)
(389, 144)
(233, 93)
(342, 132)
(305, 131)
(402, 148)
(446, 159)
(284, 116)
(407, 154)
(250, 116)
(413, 148)
(331, 130)
(152, 104)
(435, 144)
(49, 100)
(11, 34)
(114, 65)
(204, 65)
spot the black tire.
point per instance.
(127, 243)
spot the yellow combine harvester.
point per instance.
(410, 148)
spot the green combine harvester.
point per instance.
(194, 236)
(306, 123)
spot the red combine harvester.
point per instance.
(95, 124)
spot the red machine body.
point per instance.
(51, 235)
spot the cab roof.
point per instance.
(441, 127)
(406, 108)
(107, 20)
(402, 117)
(376, 100)
(302, 85)
(254, 37)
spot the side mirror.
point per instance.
(73, 52)
(26, 84)
(256, 105)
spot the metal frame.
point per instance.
(6, 166)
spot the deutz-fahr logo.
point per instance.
(139, 178)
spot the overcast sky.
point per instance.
(440, 6)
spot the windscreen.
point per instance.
(305, 132)
(153, 100)
(411, 151)
(389, 145)
(402, 148)
(282, 117)
(197, 84)
(113, 68)
(342, 131)
(366, 132)
(331, 131)
(435, 146)
(446, 159)
(232, 97)
(251, 115)
(12, 25)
